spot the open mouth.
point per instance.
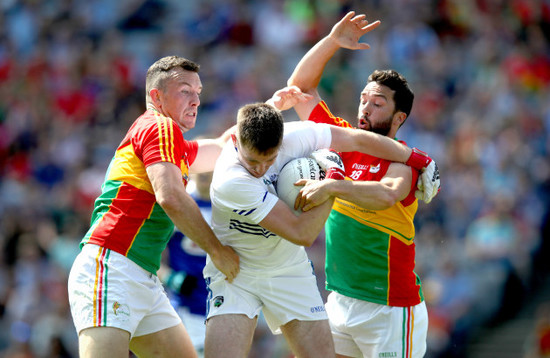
(363, 122)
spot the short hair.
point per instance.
(260, 127)
(403, 96)
(159, 72)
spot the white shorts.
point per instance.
(291, 294)
(366, 329)
(106, 289)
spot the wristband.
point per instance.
(418, 159)
(335, 173)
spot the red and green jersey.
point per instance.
(126, 217)
(370, 254)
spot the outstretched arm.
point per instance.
(307, 74)
(209, 151)
(350, 140)
(183, 210)
(371, 195)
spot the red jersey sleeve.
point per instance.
(160, 140)
(321, 114)
(191, 149)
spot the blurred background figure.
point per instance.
(71, 74)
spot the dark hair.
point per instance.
(403, 96)
(260, 127)
(160, 71)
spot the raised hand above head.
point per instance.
(350, 29)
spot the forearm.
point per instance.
(310, 223)
(365, 194)
(186, 215)
(309, 70)
(300, 230)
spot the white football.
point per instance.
(296, 169)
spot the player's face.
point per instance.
(257, 164)
(376, 109)
(180, 98)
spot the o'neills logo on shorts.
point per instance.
(317, 309)
(218, 301)
(121, 309)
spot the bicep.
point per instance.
(166, 181)
(163, 175)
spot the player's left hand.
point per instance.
(429, 183)
(330, 162)
(314, 193)
(288, 97)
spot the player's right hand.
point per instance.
(227, 261)
(429, 183)
(350, 29)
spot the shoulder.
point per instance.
(236, 189)
(322, 114)
(298, 129)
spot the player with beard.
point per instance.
(376, 307)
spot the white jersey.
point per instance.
(240, 201)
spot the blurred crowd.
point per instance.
(72, 76)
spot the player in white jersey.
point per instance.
(241, 201)
(275, 274)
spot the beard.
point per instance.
(382, 127)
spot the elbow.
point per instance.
(168, 203)
(308, 241)
(291, 81)
(303, 238)
(388, 200)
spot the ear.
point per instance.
(155, 95)
(399, 118)
(234, 139)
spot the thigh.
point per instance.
(291, 296)
(309, 338)
(338, 311)
(106, 289)
(169, 342)
(103, 342)
(160, 315)
(391, 331)
(229, 335)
